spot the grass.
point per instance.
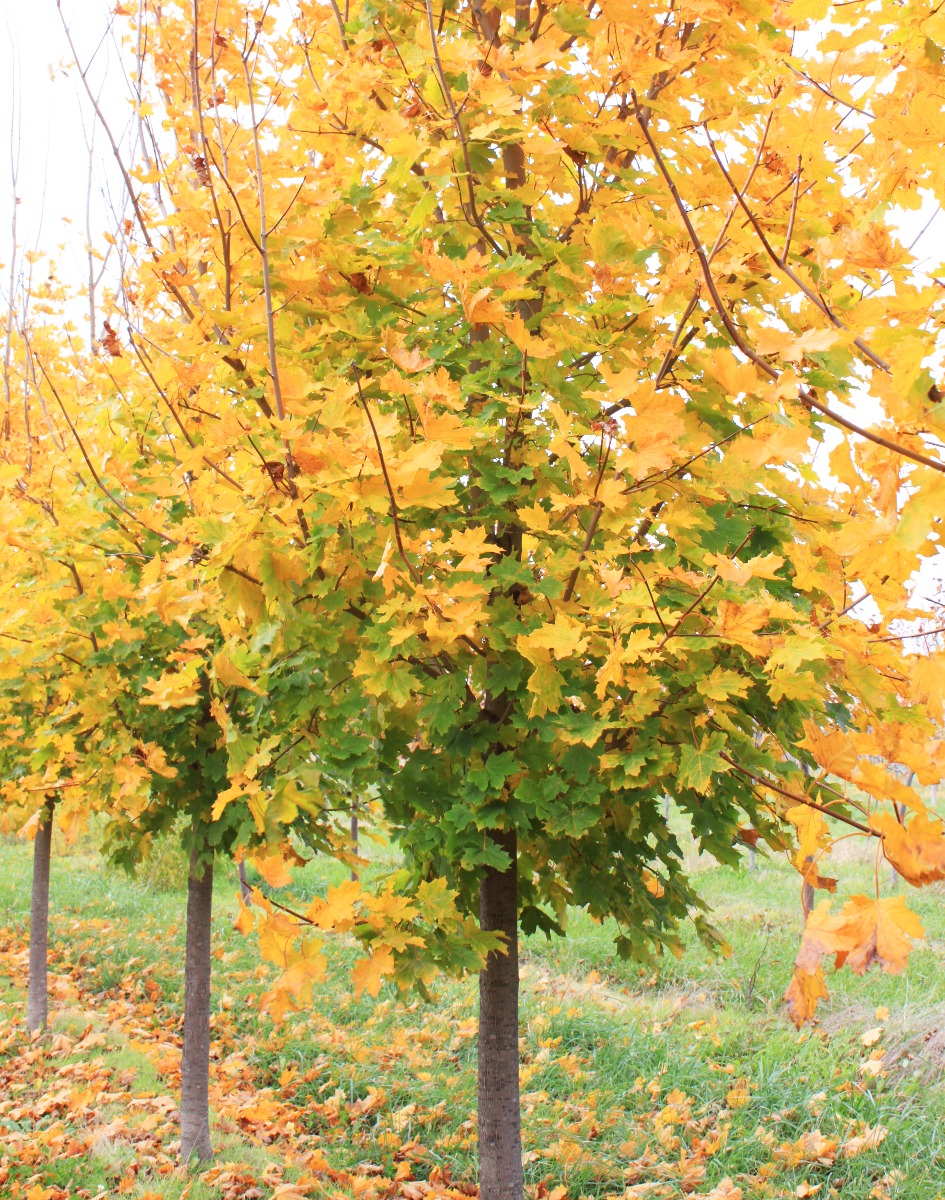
(635, 1082)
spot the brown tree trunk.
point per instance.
(354, 839)
(37, 1001)
(195, 1063)
(245, 890)
(500, 1122)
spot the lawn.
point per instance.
(682, 1081)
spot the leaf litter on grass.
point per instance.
(376, 1103)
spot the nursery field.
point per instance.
(682, 1081)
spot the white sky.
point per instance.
(41, 114)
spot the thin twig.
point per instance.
(809, 292)
(390, 489)
(702, 595)
(473, 213)
(801, 799)
(589, 537)
(806, 396)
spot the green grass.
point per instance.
(674, 1078)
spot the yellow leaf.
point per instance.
(272, 867)
(834, 751)
(871, 1037)
(368, 973)
(229, 674)
(564, 637)
(726, 1190)
(869, 1139)
(479, 308)
(246, 919)
(156, 760)
(812, 830)
(174, 689)
(336, 912)
(523, 340)
(739, 623)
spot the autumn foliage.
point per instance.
(516, 414)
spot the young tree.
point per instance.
(494, 343)
(586, 287)
(165, 723)
(45, 642)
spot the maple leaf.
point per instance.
(368, 973)
(564, 637)
(724, 1190)
(915, 848)
(245, 920)
(410, 361)
(272, 867)
(110, 341)
(864, 932)
(697, 765)
(337, 910)
(804, 992)
(174, 689)
(880, 932)
(868, 1139)
(480, 308)
(813, 832)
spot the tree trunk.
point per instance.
(354, 839)
(500, 1122)
(245, 890)
(37, 1002)
(195, 1063)
(807, 891)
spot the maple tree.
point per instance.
(578, 383)
(494, 348)
(45, 641)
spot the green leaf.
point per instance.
(698, 764)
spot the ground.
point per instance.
(686, 1081)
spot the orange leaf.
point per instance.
(273, 869)
(804, 992)
(307, 463)
(368, 973)
(410, 361)
(864, 932)
(246, 920)
(880, 931)
(916, 850)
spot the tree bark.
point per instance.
(37, 1001)
(245, 890)
(807, 891)
(500, 1122)
(195, 1063)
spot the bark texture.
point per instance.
(37, 1001)
(195, 1063)
(245, 890)
(500, 1127)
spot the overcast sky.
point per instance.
(41, 117)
